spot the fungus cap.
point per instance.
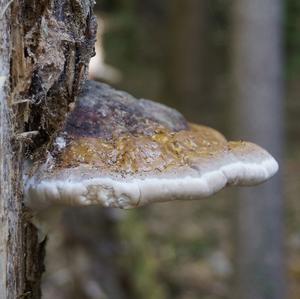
(117, 151)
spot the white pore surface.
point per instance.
(238, 169)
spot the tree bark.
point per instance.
(258, 87)
(45, 47)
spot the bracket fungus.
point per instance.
(117, 151)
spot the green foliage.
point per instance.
(140, 259)
(292, 36)
(121, 39)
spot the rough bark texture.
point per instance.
(5, 155)
(45, 47)
(257, 65)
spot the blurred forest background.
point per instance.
(181, 53)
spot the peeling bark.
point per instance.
(45, 47)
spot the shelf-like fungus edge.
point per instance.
(117, 151)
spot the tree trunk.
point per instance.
(258, 87)
(188, 73)
(45, 47)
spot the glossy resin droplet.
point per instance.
(118, 151)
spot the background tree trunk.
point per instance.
(45, 47)
(258, 87)
(189, 76)
(196, 60)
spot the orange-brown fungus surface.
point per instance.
(141, 153)
(111, 131)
